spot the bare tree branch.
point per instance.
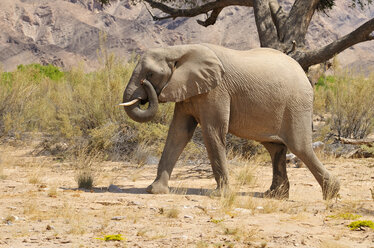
(265, 25)
(279, 17)
(299, 18)
(361, 34)
(211, 20)
(215, 7)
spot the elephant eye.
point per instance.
(175, 64)
(149, 75)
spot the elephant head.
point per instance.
(170, 74)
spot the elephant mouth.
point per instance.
(141, 114)
(139, 100)
(144, 101)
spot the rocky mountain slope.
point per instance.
(66, 32)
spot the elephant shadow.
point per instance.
(173, 190)
(209, 192)
(190, 191)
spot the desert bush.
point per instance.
(243, 147)
(348, 98)
(85, 180)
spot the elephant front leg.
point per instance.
(215, 142)
(280, 185)
(180, 132)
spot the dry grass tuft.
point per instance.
(202, 244)
(142, 233)
(85, 180)
(180, 189)
(85, 164)
(228, 198)
(141, 154)
(246, 174)
(52, 192)
(76, 225)
(173, 213)
(239, 234)
(138, 173)
(31, 208)
(2, 174)
(35, 177)
(170, 213)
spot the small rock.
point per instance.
(188, 217)
(15, 217)
(114, 189)
(108, 203)
(291, 158)
(260, 208)
(118, 217)
(134, 203)
(243, 210)
(318, 146)
(50, 227)
(65, 241)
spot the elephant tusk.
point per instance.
(129, 103)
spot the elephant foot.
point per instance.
(280, 192)
(157, 188)
(220, 191)
(330, 188)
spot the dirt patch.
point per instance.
(41, 207)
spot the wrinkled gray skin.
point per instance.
(260, 94)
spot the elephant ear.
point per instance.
(197, 70)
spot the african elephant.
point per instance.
(260, 94)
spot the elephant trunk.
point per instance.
(132, 106)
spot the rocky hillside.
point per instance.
(66, 32)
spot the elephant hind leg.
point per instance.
(280, 185)
(297, 136)
(330, 184)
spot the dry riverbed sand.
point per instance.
(40, 206)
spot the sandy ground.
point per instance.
(40, 206)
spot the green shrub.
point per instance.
(348, 99)
(357, 225)
(38, 71)
(345, 216)
(112, 237)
